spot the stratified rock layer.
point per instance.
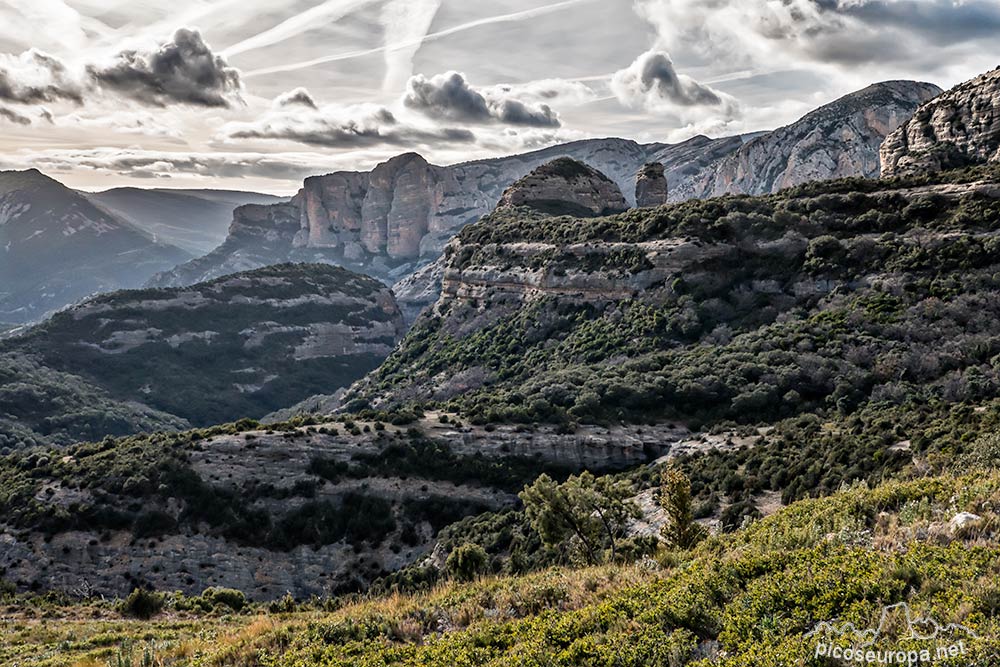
(958, 128)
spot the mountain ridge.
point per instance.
(394, 220)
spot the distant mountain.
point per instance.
(195, 220)
(396, 219)
(959, 128)
(838, 140)
(240, 346)
(57, 247)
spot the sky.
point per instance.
(258, 94)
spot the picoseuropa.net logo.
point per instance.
(900, 639)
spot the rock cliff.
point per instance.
(397, 219)
(651, 188)
(565, 187)
(312, 510)
(958, 128)
(838, 140)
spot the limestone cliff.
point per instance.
(958, 128)
(395, 220)
(838, 140)
(651, 188)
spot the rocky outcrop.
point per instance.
(248, 343)
(57, 247)
(398, 218)
(959, 128)
(651, 187)
(565, 187)
(282, 477)
(838, 140)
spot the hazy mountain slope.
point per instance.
(195, 220)
(57, 247)
(237, 347)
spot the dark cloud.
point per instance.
(941, 21)
(183, 70)
(35, 77)
(298, 97)
(14, 117)
(342, 128)
(450, 96)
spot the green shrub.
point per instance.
(142, 604)
(466, 562)
(227, 597)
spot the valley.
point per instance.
(729, 401)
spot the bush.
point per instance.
(226, 597)
(466, 562)
(142, 604)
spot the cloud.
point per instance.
(652, 83)
(35, 77)
(335, 126)
(137, 163)
(298, 97)
(406, 23)
(545, 90)
(321, 14)
(14, 117)
(183, 70)
(440, 34)
(450, 96)
(837, 36)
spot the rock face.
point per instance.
(838, 140)
(395, 220)
(651, 187)
(57, 247)
(283, 478)
(246, 344)
(958, 128)
(565, 187)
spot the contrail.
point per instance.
(503, 18)
(405, 21)
(329, 11)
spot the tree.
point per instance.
(682, 531)
(466, 562)
(589, 513)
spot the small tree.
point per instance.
(592, 513)
(682, 531)
(466, 562)
(142, 604)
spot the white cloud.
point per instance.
(653, 84)
(340, 126)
